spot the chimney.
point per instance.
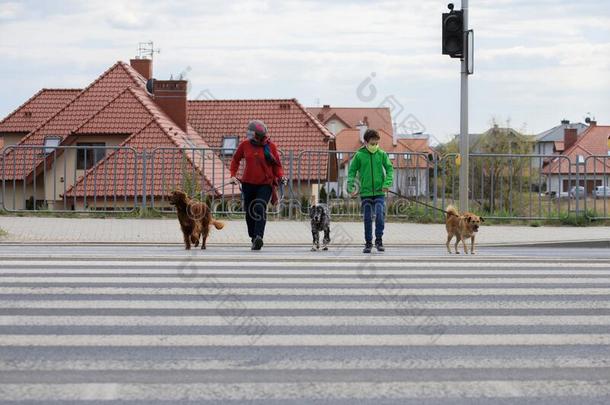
(143, 67)
(362, 127)
(565, 122)
(170, 95)
(326, 107)
(570, 136)
(592, 123)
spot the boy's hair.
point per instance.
(371, 134)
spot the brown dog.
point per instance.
(462, 227)
(194, 217)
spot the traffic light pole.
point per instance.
(464, 138)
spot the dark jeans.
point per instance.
(256, 197)
(372, 205)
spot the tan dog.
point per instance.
(462, 227)
(194, 217)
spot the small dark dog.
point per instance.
(320, 221)
(195, 219)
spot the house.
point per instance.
(35, 111)
(410, 159)
(584, 161)
(128, 137)
(302, 140)
(497, 140)
(111, 122)
(337, 119)
(551, 141)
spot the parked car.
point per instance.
(601, 192)
(577, 191)
(554, 194)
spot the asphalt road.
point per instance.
(152, 325)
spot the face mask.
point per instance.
(372, 148)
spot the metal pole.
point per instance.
(464, 147)
(143, 186)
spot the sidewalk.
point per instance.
(165, 231)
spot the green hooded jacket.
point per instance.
(375, 172)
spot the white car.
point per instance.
(601, 192)
(577, 191)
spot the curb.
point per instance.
(595, 243)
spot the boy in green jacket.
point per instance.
(375, 173)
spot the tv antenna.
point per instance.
(146, 50)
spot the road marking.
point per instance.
(372, 282)
(304, 390)
(306, 364)
(386, 290)
(279, 305)
(258, 338)
(238, 314)
(456, 263)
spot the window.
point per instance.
(229, 145)
(86, 157)
(608, 145)
(580, 159)
(340, 156)
(392, 156)
(407, 156)
(332, 127)
(51, 143)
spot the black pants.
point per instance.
(256, 197)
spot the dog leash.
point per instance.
(227, 183)
(419, 202)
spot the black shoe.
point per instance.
(257, 243)
(367, 248)
(379, 246)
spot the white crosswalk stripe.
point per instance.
(298, 331)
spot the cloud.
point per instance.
(527, 52)
(10, 10)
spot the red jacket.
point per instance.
(257, 170)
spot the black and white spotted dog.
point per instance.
(320, 221)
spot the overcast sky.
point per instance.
(537, 61)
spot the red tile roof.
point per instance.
(348, 140)
(592, 142)
(106, 87)
(120, 116)
(157, 132)
(39, 108)
(291, 127)
(377, 118)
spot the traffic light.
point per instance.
(453, 33)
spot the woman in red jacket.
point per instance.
(262, 173)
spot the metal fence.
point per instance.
(321, 176)
(41, 178)
(87, 178)
(519, 186)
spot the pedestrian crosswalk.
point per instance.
(304, 329)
